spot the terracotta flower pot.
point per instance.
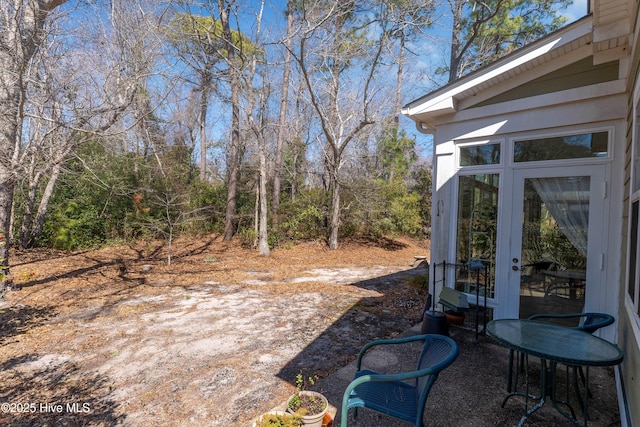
(454, 318)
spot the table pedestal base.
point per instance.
(548, 371)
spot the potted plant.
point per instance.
(311, 406)
(278, 419)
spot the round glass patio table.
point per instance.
(556, 344)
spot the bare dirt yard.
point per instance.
(118, 337)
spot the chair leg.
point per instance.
(584, 381)
(344, 417)
(576, 387)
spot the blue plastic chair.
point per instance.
(402, 395)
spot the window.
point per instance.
(578, 146)
(633, 251)
(477, 155)
(633, 254)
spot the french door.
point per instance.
(552, 260)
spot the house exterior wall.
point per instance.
(603, 105)
(496, 107)
(628, 321)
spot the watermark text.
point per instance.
(45, 407)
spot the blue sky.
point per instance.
(431, 51)
(434, 53)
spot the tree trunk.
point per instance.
(454, 61)
(36, 233)
(263, 240)
(256, 213)
(294, 177)
(10, 120)
(23, 33)
(27, 218)
(337, 125)
(277, 173)
(398, 106)
(335, 212)
(234, 152)
(7, 186)
(263, 237)
(204, 104)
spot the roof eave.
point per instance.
(444, 100)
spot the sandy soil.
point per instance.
(118, 337)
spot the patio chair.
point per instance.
(401, 395)
(589, 323)
(532, 276)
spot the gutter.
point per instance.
(423, 128)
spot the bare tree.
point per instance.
(404, 21)
(339, 50)
(284, 98)
(62, 94)
(225, 9)
(64, 104)
(22, 31)
(257, 100)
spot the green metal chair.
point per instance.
(402, 395)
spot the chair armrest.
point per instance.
(556, 316)
(396, 341)
(591, 323)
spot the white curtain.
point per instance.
(567, 199)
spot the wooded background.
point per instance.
(274, 122)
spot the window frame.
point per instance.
(459, 145)
(632, 301)
(607, 132)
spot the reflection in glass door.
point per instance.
(555, 225)
(476, 234)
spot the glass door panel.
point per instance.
(476, 234)
(555, 228)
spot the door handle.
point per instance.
(515, 268)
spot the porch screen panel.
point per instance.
(477, 228)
